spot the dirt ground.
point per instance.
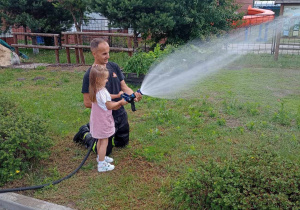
(52, 67)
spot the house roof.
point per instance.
(287, 2)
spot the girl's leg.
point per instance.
(101, 148)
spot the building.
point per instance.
(290, 11)
(268, 5)
(244, 5)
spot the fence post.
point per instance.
(76, 49)
(56, 50)
(81, 50)
(16, 42)
(129, 45)
(67, 48)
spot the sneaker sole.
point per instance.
(106, 170)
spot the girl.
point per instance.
(102, 124)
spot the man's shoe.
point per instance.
(78, 138)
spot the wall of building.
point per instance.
(245, 4)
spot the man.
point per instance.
(115, 84)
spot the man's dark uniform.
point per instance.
(121, 136)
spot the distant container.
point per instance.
(268, 5)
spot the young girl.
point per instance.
(102, 124)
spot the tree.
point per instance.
(38, 15)
(144, 16)
(201, 19)
(178, 20)
(77, 9)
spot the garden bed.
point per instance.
(134, 78)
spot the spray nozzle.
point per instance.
(130, 99)
(139, 91)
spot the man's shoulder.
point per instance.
(112, 65)
(88, 71)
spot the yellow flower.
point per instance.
(252, 157)
(17, 171)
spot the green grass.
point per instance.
(236, 110)
(48, 56)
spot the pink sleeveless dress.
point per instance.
(102, 123)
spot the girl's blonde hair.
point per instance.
(98, 74)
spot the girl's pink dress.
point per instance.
(102, 123)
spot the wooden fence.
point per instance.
(56, 46)
(78, 46)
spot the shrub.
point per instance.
(140, 62)
(252, 181)
(23, 140)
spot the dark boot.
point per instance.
(78, 138)
(89, 140)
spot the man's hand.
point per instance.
(138, 96)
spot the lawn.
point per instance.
(251, 107)
(48, 56)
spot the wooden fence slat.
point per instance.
(57, 50)
(76, 51)
(67, 49)
(36, 46)
(36, 34)
(88, 47)
(98, 34)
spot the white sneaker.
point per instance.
(105, 167)
(107, 159)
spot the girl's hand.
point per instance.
(120, 93)
(123, 102)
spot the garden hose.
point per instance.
(53, 183)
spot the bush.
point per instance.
(23, 140)
(140, 62)
(253, 181)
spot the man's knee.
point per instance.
(109, 147)
(121, 138)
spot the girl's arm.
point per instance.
(112, 105)
(114, 96)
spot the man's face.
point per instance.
(101, 54)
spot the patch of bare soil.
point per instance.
(66, 157)
(67, 67)
(52, 67)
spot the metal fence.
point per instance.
(262, 38)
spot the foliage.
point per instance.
(140, 62)
(23, 140)
(256, 180)
(201, 19)
(38, 15)
(142, 16)
(179, 21)
(77, 8)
